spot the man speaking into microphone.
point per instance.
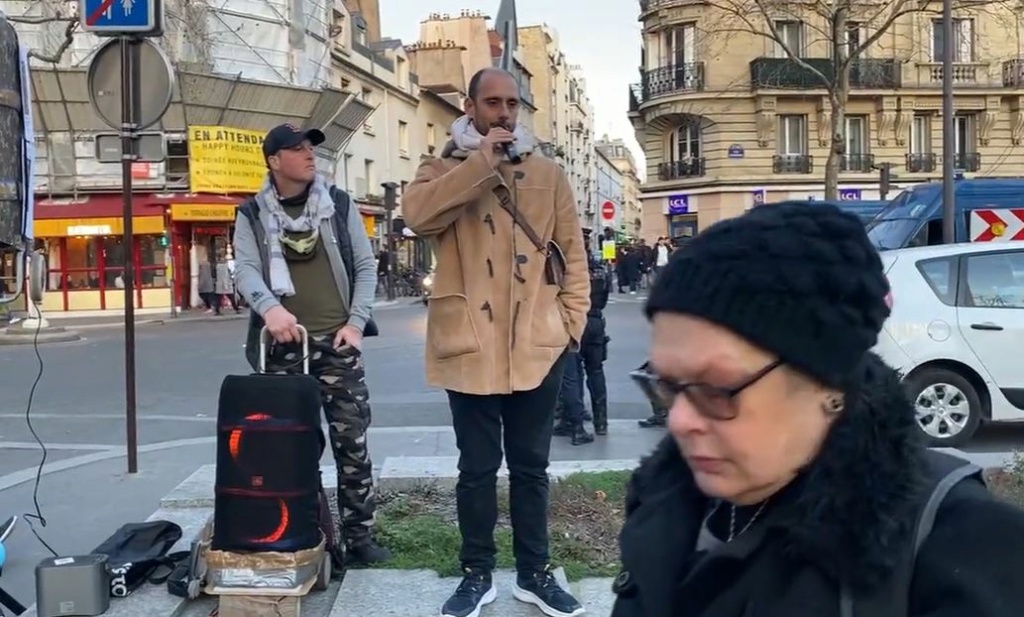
(511, 294)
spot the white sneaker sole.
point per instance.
(6, 532)
(490, 596)
(530, 598)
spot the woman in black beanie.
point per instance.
(792, 483)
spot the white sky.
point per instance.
(603, 37)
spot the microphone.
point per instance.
(512, 153)
(510, 149)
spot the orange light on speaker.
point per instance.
(282, 526)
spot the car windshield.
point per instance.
(895, 226)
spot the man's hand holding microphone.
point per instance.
(498, 142)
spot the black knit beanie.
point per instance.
(800, 281)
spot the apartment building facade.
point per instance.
(608, 188)
(727, 121)
(630, 222)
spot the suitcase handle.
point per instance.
(265, 334)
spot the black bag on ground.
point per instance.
(269, 443)
(135, 551)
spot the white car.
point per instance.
(956, 333)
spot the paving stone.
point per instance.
(420, 593)
(316, 604)
(596, 595)
(404, 472)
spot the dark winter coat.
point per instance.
(848, 520)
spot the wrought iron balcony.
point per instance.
(921, 162)
(1013, 73)
(672, 79)
(674, 170)
(786, 73)
(636, 97)
(967, 161)
(792, 164)
(857, 163)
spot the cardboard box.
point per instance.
(260, 606)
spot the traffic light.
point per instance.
(884, 179)
(164, 241)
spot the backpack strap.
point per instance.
(945, 472)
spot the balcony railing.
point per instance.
(786, 73)
(674, 170)
(792, 164)
(672, 79)
(857, 163)
(967, 161)
(921, 162)
(1013, 73)
(965, 74)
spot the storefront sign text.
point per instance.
(89, 230)
(225, 160)
(203, 212)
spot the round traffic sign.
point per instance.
(106, 80)
(607, 210)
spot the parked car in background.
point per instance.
(956, 333)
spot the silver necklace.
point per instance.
(732, 521)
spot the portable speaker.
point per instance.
(78, 586)
(269, 444)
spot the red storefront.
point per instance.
(82, 239)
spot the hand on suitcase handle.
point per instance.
(282, 325)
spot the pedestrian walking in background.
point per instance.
(205, 285)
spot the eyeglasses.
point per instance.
(713, 402)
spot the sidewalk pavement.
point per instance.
(91, 320)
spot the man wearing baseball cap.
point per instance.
(302, 258)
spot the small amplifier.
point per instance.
(72, 586)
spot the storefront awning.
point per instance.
(61, 103)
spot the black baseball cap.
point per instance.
(287, 136)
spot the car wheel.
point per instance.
(947, 406)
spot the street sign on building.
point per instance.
(760, 197)
(122, 17)
(850, 194)
(607, 211)
(679, 204)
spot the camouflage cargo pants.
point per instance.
(346, 404)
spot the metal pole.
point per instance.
(948, 138)
(390, 203)
(129, 112)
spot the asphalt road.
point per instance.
(80, 398)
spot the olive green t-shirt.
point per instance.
(317, 305)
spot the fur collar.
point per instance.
(857, 500)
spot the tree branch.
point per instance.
(57, 54)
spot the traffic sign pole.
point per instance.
(130, 81)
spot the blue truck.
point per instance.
(987, 209)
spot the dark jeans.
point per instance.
(593, 354)
(571, 395)
(527, 419)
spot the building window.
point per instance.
(963, 40)
(854, 37)
(792, 34)
(402, 72)
(367, 97)
(687, 143)
(403, 139)
(965, 137)
(96, 264)
(856, 157)
(792, 140)
(361, 34)
(369, 173)
(678, 45)
(921, 134)
(431, 138)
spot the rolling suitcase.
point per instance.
(268, 490)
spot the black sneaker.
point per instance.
(542, 590)
(366, 553)
(474, 592)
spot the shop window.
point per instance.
(80, 268)
(113, 261)
(152, 262)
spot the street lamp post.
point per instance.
(390, 203)
(948, 143)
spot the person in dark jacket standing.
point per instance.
(793, 482)
(587, 364)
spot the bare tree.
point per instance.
(831, 22)
(63, 13)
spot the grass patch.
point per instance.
(1008, 483)
(587, 509)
